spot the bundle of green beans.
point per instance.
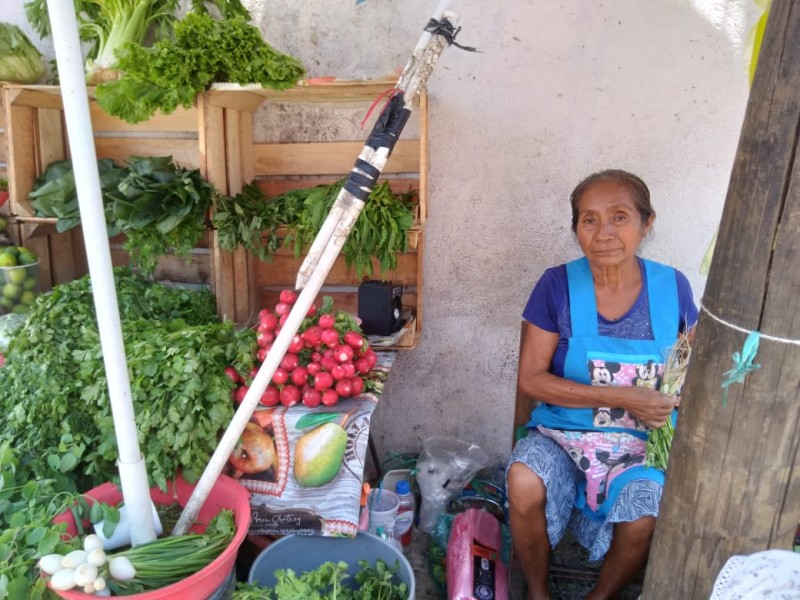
(659, 441)
(170, 559)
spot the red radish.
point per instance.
(241, 392)
(312, 336)
(296, 345)
(280, 376)
(362, 365)
(267, 320)
(270, 397)
(232, 374)
(316, 357)
(323, 381)
(329, 337)
(354, 339)
(312, 398)
(314, 368)
(252, 374)
(330, 397)
(289, 362)
(337, 372)
(264, 337)
(344, 388)
(299, 375)
(261, 354)
(290, 395)
(357, 384)
(349, 369)
(282, 321)
(312, 310)
(282, 308)
(372, 357)
(328, 362)
(327, 321)
(288, 297)
(343, 353)
(328, 352)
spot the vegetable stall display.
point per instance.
(53, 389)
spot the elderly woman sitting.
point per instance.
(593, 353)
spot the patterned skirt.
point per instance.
(639, 498)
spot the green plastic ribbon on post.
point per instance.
(742, 364)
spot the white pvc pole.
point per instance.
(133, 474)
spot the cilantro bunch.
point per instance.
(54, 393)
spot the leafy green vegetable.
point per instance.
(54, 394)
(171, 72)
(20, 60)
(26, 528)
(160, 207)
(250, 220)
(327, 582)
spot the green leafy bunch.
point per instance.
(327, 582)
(27, 533)
(204, 50)
(159, 206)
(54, 393)
(294, 218)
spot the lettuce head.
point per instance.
(20, 61)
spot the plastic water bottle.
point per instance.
(404, 522)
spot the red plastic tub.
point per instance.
(226, 493)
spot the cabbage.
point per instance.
(20, 61)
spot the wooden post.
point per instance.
(732, 483)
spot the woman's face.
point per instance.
(609, 227)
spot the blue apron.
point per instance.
(608, 444)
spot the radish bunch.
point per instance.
(326, 360)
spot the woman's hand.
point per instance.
(649, 406)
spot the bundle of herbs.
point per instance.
(380, 233)
(159, 206)
(659, 441)
(54, 393)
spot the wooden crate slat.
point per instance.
(22, 159)
(184, 152)
(342, 300)
(282, 271)
(181, 120)
(328, 158)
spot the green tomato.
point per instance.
(12, 250)
(6, 303)
(31, 283)
(12, 290)
(7, 260)
(17, 275)
(20, 308)
(28, 297)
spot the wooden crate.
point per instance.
(299, 142)
(218, 137)
(36, 136)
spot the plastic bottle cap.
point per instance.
(402, 487)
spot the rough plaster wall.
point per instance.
(560, 89)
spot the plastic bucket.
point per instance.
(303, 553)
(206, 583)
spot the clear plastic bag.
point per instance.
(444, 468)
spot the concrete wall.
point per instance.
(558, 90)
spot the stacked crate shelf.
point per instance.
(234, 135)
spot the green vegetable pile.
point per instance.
(27, 508)
(159, 206)
(327, 583)
(254, 222)
(20, 61)
(204, 50)
(54, 394)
